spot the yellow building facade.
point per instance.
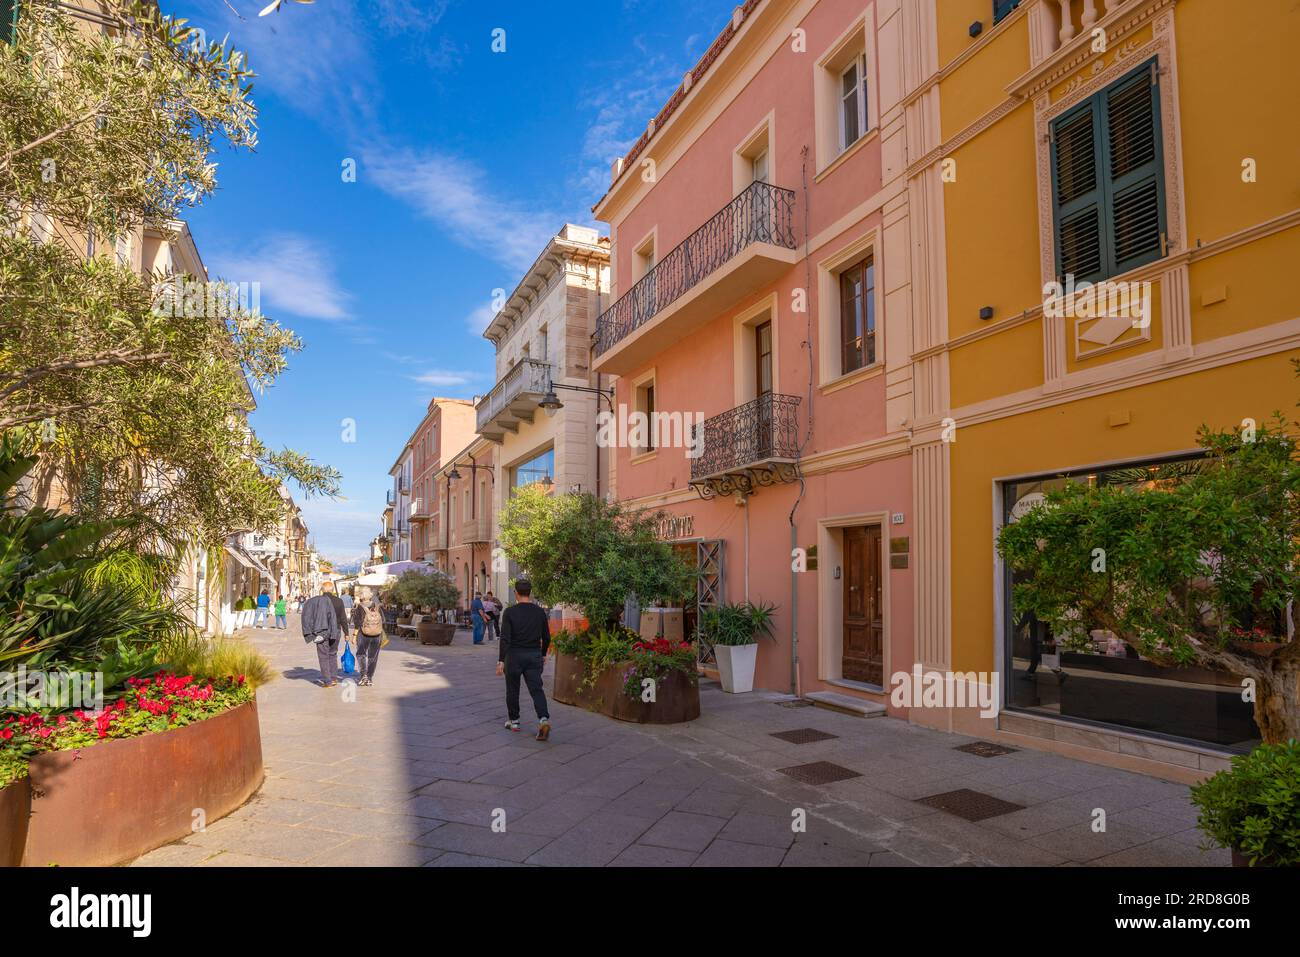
(1111, 215)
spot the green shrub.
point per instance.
(1254, 806)
(212, 658)
(736, 624)
(69, 597)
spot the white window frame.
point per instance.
(859, 64)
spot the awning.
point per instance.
(248, 561)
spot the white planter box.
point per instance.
(736, 666)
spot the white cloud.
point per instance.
(454, 193)
(478, 320)
(442, 378)
(295, 275)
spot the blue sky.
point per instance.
(466, 162)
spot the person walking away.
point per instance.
(491, 615)
(340, 613)
(320, 626)
(263, 609)
(476, 616)
(347, 602)
(521, 653)
(281, 611)
(368, 622)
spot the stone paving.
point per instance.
(418, 768)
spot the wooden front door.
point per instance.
(863, 623)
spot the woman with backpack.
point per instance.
(368, 621)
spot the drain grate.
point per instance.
(985, 749)
(796, 703)
(819, 772)
(803, 735)
(970, 805)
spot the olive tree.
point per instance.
(582, 551)
(135, 400)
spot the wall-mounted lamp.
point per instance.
(975, 28)
(986, 312)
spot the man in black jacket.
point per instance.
(320, 625)
(525, 638)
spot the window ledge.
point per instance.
(639, 457)
(844, 154)
(852, 378)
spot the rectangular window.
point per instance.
(763, 358)
(648, 407)
(853, 102)
(541, 468)
(858, 316)
(1108, 180)
(1003, 7)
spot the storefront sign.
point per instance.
(673, 527)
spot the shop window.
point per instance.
(1104, 681)
(1107, 180)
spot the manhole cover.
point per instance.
(970, 805)
(985, 749)
(803, 735)
(796, 703)
(819, 772)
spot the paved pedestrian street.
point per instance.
(418, 770)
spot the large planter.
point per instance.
(114, 801)
(15, 808)
(736, 666)
(435, 632)
(677, 697)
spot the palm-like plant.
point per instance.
(65, 597)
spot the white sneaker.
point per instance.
(512, 725)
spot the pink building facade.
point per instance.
(761, 313)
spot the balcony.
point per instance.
(476, 530)
(421, 509)
(391, 497)
(513, 400)
(750, 446)
(745, 246)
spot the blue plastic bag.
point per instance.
(349, 660)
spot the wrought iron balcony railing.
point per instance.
(761, 214)
(753, 444)
(514, 397)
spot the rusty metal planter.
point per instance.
(677, 696)
(114, 801)
(15, 807)
(435, 633)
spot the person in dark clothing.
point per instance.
(525, 639)
(320, 626)
(368, 622)
(342, 616)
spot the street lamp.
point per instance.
(552, 404)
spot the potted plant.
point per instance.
(733, 631)
(1253, 808)
(431, 591)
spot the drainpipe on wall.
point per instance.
(795, 688)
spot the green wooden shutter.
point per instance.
(1002, 7)
(1079, 203)
(8, 20)
(1108, 180)
(1135, 170)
